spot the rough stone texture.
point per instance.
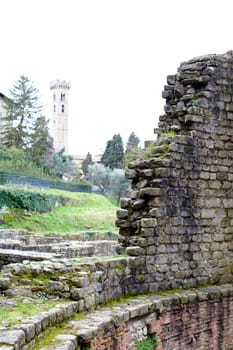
(89, 283)
(17, 246)
(178, 215)
(176, 226)
(21, 336)
(184, 320)
(200, 319)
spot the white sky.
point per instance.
(116, 53)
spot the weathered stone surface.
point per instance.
(66, 342)
(29, 330)
(135, 251)
(139, 203)
(19, 292)
(55, 286)
(130, 174)
(176, 223)
(13, 337)
(189, 193)
(122, 214)
(148, 222)
(128, 322)
(150, 191)
(4, 283)
(80, 282)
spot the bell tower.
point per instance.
(59, 121)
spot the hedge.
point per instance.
(29, 200)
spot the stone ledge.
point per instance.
(19, 337)
(29, 255)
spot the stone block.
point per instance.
(79, 293)
(122, 214)
(55, 285)
(171, 79)
(151, 250)
(130, 173)
(207, 213)
(147, 173)
(147, 232)
(122, 223)
(229, 107)
(125, 202)
(148, 222)
(138, 203)
(29, 330)
(66, 342)
(149, 191)
(16, 338)
(157, 212)
(135, 251)
(4, 283)
(80, 282)
(218, 237)
(162, 172)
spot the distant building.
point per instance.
(60, 113)
(78, 159)
(3, 103)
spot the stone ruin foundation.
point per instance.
(178, 217)
(176, 225)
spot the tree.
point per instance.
(98, 175)
(63, 164)
(108, 180)
(118, 183)
(41, 148)
(113, 156)
(132, 143)
(86, 162)
(21, 110)
(132, 149)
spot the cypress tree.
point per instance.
(113, 156)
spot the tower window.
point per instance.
(63, 97)
(54, 108)
(62, 108)
(54, 97)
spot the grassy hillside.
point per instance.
(84, 212)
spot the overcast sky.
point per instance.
(116, 54)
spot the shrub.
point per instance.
(150, 343)
(29, 200)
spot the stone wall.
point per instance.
(18, 245)
(91, 283)
(176, 225)
(200, 319)
(178, 216)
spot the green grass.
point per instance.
(16, 310)
(84, 212)
(149, 343)
(48, 337)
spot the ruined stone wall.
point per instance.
(91, 283)
(178, 217)
(176, 225)
(200, 319)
